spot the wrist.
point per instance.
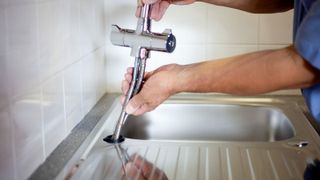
(174, 79)
(179, 78)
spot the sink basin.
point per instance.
(210, 122)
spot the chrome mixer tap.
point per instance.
(141, 41)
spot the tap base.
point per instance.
(111, 140)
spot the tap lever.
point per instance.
(142, 37)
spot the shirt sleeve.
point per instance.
(307, 41)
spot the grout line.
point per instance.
(66, 130)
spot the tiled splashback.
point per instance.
(53, 66)
(52, 72)
(203, 32)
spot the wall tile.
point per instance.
(74, 8)
(53, 113)
(73, 91)
(100, 67)
(22, 58)
(276, 28)
(100, 23)
(54, 37)
(216, 51)
(6, 148)
(187, 26)
(117, 64)
(94, 82)
(89, 35)
(226, 25)
(27, 124)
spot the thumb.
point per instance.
(135, 103)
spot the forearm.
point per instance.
(255, 6)
(248, 74)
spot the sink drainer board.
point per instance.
(206, 137)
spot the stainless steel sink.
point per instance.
(210, 122)
(203, 137)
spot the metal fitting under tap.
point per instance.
(141, 41)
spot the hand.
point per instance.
(142, 169)
(159, 7)
(158, 86)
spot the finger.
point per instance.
(130, 70)
(128, 77)
(139, 6)
(135, 103)
(141, 110)
(122, 99)
(159, 9)
(125, 87)
(138, 11)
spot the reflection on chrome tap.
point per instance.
(140, 168)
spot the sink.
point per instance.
(210, 122)
(194, 136)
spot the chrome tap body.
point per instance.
(141, 41)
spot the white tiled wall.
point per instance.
(52, 71)
(203, 32)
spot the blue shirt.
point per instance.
(307, 43)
